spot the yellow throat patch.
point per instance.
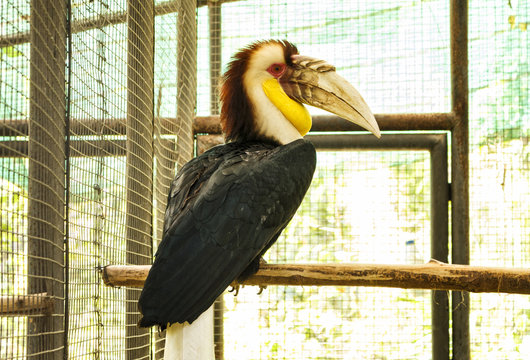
(295, 112)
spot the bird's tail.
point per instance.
(191, 341)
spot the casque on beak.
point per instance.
(315, 82)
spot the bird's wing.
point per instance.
(225, 208)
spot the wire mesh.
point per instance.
(363, 206)
(340, 221)
(165, 107)
(14, 107)
(101, 97)
(32, 189)
(370, 207)
(499, 49)
(98, 187)
(370, 43)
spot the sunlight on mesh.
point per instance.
(362, 207)
(499, 48)
(372, 44)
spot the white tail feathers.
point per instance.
(191, 341)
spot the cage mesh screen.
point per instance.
(120, 88)
(341, 221)
(118, 106)
(371, 44)
(98, 191)
(362, 207)
(14, 108)
(32, 169)
(499, 48)
(165, 84)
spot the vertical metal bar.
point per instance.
(140, 83)
(437, 144)
(440, 246)
(214, 22)
(67, 177)
(164, 173)
(186, 78)
(186, 102)
(459, 171)
(46, 183)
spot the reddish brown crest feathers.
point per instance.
(237, 118)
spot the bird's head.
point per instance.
(267, 82)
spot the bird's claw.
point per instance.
(261, 288)
(235, 288)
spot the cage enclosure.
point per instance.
(101, 102)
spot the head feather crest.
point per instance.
(237, 118)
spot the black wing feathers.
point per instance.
(225, 209)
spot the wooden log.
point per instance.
(433, 275)
(17, 305)
(125, 275)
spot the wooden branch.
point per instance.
(125, 275)
(434, 275)
(16, 305)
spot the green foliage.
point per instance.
(13, 206)
(10, 51)
(13, 262)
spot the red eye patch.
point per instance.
(276, 70)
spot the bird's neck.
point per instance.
(293, 111)
(270, 122)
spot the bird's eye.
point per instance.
(276, 70)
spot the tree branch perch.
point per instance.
(18, 305)
(433, 275)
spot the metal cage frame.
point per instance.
(42, 147)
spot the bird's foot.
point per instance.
(261, 288)
(251, 269)
(235, 289)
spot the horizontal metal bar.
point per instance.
(115, 147)
(205, 142)
(106, 147)
(387, 122)
(95, 22)
(323, 123)
(23, 305)
(350, 142)
(91, 23)
(211, 125)
(370, 142)
(78, 148)
(85, 127)
(433, 275)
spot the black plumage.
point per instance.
(229, 205)
(225, 209)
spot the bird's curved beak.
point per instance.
(315, 82)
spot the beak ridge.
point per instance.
(315, 82)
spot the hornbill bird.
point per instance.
(227, 206)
